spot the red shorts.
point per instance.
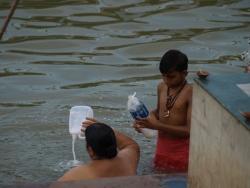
(171, 154)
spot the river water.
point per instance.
(61, 53)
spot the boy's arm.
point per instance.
(155, 112)
(180, 131)
(153, 121)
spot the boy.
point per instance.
(102, 143)
(173, 114)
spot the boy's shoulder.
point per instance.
(161, 84)
(189, 87)
(188, 91)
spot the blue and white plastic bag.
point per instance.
(138, 110)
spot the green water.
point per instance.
(61, 53)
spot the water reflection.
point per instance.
(127, 80)
(19, 73)
(37, 103)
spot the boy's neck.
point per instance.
(178, 86)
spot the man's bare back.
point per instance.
(119, 166)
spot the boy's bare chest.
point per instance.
(177, 107)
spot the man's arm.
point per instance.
(128, 148)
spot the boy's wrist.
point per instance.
(156, 125)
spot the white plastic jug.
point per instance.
(77, 115)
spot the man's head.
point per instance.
(173, 67)
(101, 141)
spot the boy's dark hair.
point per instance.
(101, 138)
(173, 60)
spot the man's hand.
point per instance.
(87, 122)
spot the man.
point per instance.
(112, 154)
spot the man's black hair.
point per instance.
(173, 60)
(101, 138)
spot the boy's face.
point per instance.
(174, 78)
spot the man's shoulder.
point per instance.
(76, 173)
(78, 169)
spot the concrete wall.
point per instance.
(145, 181)
(219, 146)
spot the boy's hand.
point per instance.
(87, 122)
(137, 127)
(148, 122)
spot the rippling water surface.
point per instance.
(61, 53)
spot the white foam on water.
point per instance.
(66, 165)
